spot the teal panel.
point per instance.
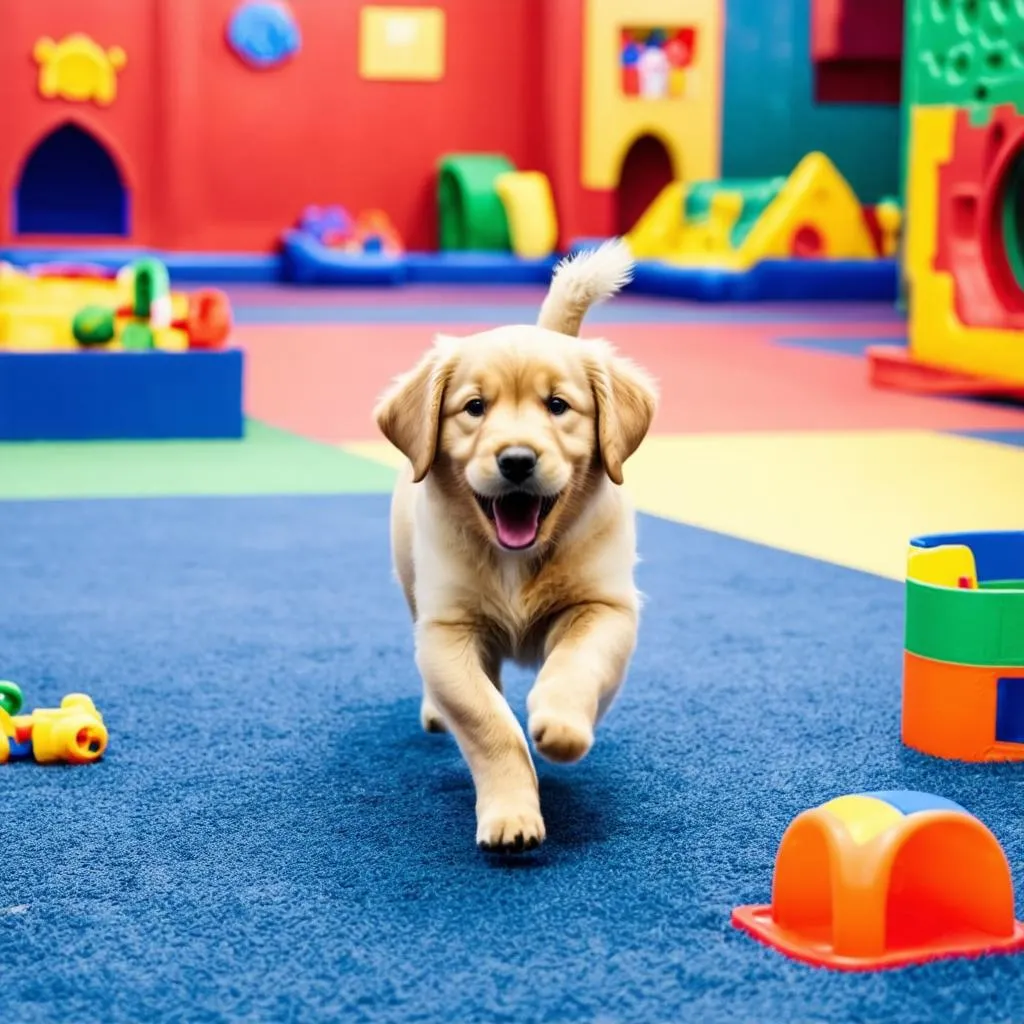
(770, 117)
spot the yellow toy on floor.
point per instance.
(74, 733)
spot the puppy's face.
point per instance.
(517, 424)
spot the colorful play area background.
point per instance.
(270, 835)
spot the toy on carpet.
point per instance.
(963, 667)
(74, 733)
(60, 307)
(735, 225)
(887, 879)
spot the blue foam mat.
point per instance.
(78, 396)
(211, 267)
(768, 281)
(773, 281)
(307, 261)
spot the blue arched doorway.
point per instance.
(71, 186)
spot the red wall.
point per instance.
(221, 157)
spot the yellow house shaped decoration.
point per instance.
(684, 115)
(78, 69)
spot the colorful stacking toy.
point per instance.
(877, 880)
(963, 684)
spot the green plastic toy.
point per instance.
(10, 697)
(93, 325)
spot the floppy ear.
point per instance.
(409, 412)
(626, 399)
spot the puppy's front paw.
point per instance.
(510, 829)
(430, 717)
(561, 736)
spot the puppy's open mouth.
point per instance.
(516, 516)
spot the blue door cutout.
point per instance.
(70, 186)
(1010, 710)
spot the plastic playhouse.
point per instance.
(963, 685)
(887, 879)
(964, 247)
(87, 353)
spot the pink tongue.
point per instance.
(517, 520)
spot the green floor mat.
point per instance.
(266, 461)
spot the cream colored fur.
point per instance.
(569, 603)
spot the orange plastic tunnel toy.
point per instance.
(887, 879)
(963, 667)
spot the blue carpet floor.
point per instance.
(271, 838)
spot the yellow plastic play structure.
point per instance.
(812, 214)
(530, 210)
(37, 312)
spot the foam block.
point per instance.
(78, 396)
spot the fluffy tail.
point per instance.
(581, 280)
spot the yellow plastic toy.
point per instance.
(37, 311)
(814, 213)
(74, 733)
(947, 565)
(530, 209)
(78, 69)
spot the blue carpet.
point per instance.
(271, 838)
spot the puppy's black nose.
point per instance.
(517, 463)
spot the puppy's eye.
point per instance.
(475, 407)
(556, 406)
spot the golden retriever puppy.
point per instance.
(512, 537)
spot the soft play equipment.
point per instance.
(964, 252)
(876, 880)
(735, 225)
(87, 353)
(530, 210)
(963, 669)
(52, 308)
(471, 215)
(328, 245)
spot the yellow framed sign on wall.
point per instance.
(402, 43)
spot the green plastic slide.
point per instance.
(757, 194)
(471, 215)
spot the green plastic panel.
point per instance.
(964, 52)
(965, 627)
(757, 193)
(471, 215)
